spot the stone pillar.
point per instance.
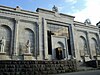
(98, 46)
(89, 44)
(45, 41)
(16, 36)
(66, 50)
(76, 40)
(99, 39)
(65, 53)
(37, 41)
(43, 46)
(72, 42)
(40, 39)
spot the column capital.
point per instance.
(17, 20)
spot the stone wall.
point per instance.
(93, 63)
(86, 42)
(14, 67)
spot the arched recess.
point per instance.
(5, 31)
(83, 46)
(29, 35)
(61, 45)
(94, 46)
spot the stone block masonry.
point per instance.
(28, 67)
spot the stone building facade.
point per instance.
(46, 35)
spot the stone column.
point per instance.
(45, 41)
(43, 46)
(37, 41)
(66, 49)
(99, 38)
(16, 26)
(72, 42)
(76, 40)
(98, 46)
(89, 44)
(40, 39)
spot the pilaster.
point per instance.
(99, 39)
(71, 31)
(45, 41)
(43, 45)
(89, 45)
(66, 49)
(16, 26)
(76, 40)
(40, 39)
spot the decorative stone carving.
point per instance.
(87, 22)
(2, 45)
(55, 8)
(17, 8)
(98, 24)
(28, 47)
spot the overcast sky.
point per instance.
(81, 9)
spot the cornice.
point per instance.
(52, 12)
(20, 11)
(82, 25)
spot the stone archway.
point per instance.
(60, 51)
(5, 31)
(62, 47)
(59, 42)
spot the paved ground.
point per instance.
(93, 72)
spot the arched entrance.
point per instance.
(59, 48)
(60, 51)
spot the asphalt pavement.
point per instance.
(93, 72)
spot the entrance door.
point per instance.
(59, 47)
(59, 53)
